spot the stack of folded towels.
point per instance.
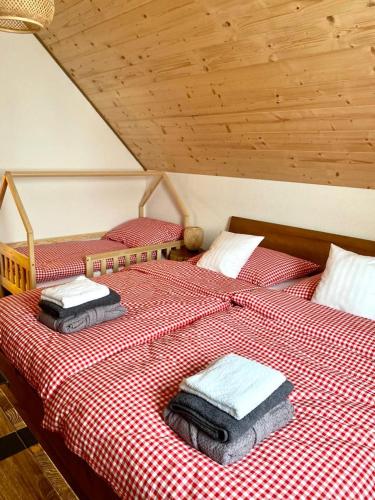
(79, 304)
(230, 407)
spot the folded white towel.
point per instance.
(234, 384)
(74, 293)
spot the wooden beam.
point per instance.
(82, 173)
(59, 239)
(18, 202)
(3, 189)
(177, 199)
(148, 193)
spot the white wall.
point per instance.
(212, 200)
(46, 123)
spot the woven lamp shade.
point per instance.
(25, 16)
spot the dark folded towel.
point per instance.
(228, 453)
(218, 424)
(83, 320)
(58, 312)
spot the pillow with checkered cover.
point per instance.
(304, 289)
(145, 231)
(267, 267)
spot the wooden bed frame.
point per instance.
(18, 271)
(303, 243)
(86, 483)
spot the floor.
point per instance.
(26, 471)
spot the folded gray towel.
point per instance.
(59, 312)
(228, 453)
(82, 320)
(218, 424)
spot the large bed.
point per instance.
(95, 399)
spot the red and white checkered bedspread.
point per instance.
(192, 278)
(155, 306)
(339, 328)
(110, 414)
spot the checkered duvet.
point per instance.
(110, 415)
(157, 304)
(104, 388)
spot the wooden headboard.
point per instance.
(305, 243)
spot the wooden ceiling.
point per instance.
(267, 89)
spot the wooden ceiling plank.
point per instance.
(75, 16)
(274, 89)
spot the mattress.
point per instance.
(111, 414)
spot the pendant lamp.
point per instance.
(25, 16)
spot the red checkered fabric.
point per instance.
(267, 267)
(304, 289)
(194, 278)
(145, 231)
(111, 413)
(155, 307)
(341, 328)
(66, 259)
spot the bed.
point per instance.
(200, 315)
(324, 453)
(25, 265)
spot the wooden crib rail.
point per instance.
(101, 262)
(15, 271)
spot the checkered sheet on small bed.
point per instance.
(56, 261)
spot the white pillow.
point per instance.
(348, 283)
(229, 252)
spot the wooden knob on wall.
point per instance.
(193, 237)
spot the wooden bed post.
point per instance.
(31, 278)
(163, 176)
(147, 194)
(176, 197)
(3, 190)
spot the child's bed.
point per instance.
(104, 388)
(25, 265)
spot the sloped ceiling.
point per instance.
(269, 89)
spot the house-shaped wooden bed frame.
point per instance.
(18, 271)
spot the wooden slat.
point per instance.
(103, 266)
(127, 254)
(82, 173)
(14, 270)
(214, 79)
